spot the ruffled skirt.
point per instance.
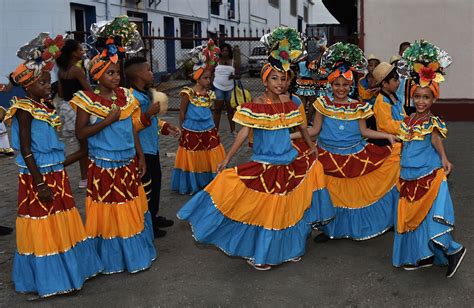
(261, 212)
(199, 154)
(54, 254)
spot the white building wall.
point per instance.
(446, 23)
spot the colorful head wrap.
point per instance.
(112, 39)
(39, 55)
(285, 46)
(424, 63)
(204, 57)
(342, 59)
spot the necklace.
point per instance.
(282, 114)
(113, 98)
(413, 120)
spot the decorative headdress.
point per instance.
(204, 57)
(285, 47)
(342, 59)
(424, 63)
(113, 39)
(39, 55)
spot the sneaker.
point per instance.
(158, 233)
(7, 151)
(163, 222)
(82, 183)
(5, 230)
(321, 238)
(258, 267)
(421, 264)
(454, 261)
(297, 259)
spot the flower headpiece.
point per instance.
(204, 57)
(38, 55)
(424, 63)
(341, 59)
(285, 46)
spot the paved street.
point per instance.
(337, 273)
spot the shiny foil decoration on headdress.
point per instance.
(284, 46)
(39, 55)
(119, 27)
(205, 56)
(342, 55)
(424, 63)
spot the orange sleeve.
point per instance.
(383, 116)
(139, 119)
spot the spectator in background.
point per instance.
(72, 78)
(402, 47)
(224, 75)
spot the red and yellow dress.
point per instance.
(200, 150)
(117, 216)
(361, 177)
(54, 254)
(263, 210)
(425, 215)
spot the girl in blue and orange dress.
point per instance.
(263, 210)
(54, 254)
(361, 177)
(200, 149)
(425, 216)
(117, 217)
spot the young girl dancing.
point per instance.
(425, 216)
(263, 210)
(54, 254)
(361, 177)
(117, 216)
(200, 149)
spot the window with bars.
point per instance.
(305, 14)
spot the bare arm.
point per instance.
(304, 131)
(370, 133)
(140, 155)
(313, 130)
(24, 120)
(239, 140)
(84, 130)
(79, 74)
(183, 107)
(437, 142)
(73, 157)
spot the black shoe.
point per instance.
(163, 222)
(421, 264)
(321, 238)
(5, 230)
(454, 261)
(158, 233)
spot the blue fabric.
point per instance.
(223, 95)
(198, 119)
(149, 135)
(46, 147)
(114, 142)
(432, 237)
(58, 273)
(365, 84)
(303, 70)
(401, 91)
(264, 246)
(273, 146)
(364, 223)
(419, 158)
(295, 99)
(185, 182)
(345, 141)
(132, 254)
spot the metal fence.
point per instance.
(169, 57)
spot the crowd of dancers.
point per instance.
(328, 154)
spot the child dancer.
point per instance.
(361, 177)
(367, 85)
(263, 210)
(117, 216)
(305, 85)
(139, 75)
(54, 254)
(425, 216)
(200, 149)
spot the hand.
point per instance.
(114, 115)
(447, 166)
(313, 150)
(222, 165)
(174, 131)
(44, 193)
(392, 139)
(141, 166)
(152, 110)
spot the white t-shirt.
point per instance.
(221, 77)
